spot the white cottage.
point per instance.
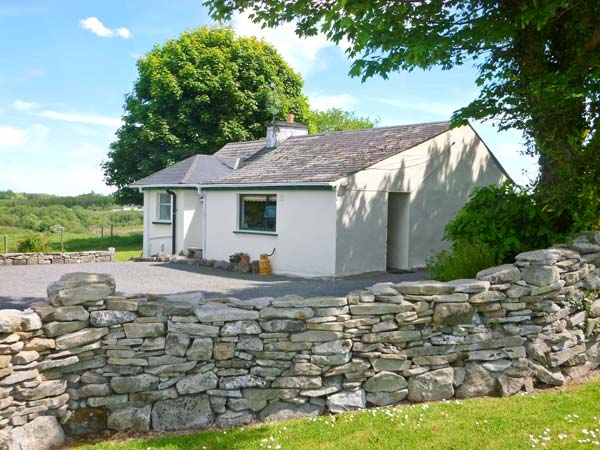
(331, 204)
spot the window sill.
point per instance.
(265, 233)
(160, 222)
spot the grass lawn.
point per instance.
(128, 243)
(553, 419)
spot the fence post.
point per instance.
(111, 230)
(5, 244)
(102, 236)
(62, 239)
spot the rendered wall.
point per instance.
(94, 360)
(158, 236)
(304, 239)
(439, 174)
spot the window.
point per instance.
(258, 212)
(164, 207)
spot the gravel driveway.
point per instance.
(20, 286)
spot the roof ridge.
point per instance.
(370, 129)
(191, 168)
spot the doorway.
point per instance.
(398, 234)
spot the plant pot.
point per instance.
(245, 259)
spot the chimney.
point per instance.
(279, 132)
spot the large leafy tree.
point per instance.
(336, 119)
(193, 95)
(538, 64)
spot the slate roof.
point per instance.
(242, 150)
(325, 157)
(300, 159)
(197, 169)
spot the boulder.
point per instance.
(506, 273)
(278, 411)
(386, 398)
(86, 421)
(106, 318)
(196, 383)
(220, 312)
(385, 382)
(79, 338)
(426, 287)
(432, 386)
(478, 382)
(186, 412)
(42, 433)
(136, 383)
(541, 275)
(346, 401)
(283, 325)
(200, 350)
(451, 314)
(130, 418)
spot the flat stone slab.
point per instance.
(219, 312)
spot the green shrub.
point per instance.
(33, 243)
(507, 218)
(464, 260)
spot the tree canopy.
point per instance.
(193, 95)
(336, 119)
(538, 63)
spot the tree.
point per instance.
(336, 119)
(538, 64)
(193, 95)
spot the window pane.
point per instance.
(258, 212)
(165, 212)
(164, 207)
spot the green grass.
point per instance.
(556, 419)
(127, 243)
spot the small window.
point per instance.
(258, 212)
(164, 207)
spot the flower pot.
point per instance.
(245, 259)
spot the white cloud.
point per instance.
(94, 25)
(12, 137)
(93, 119)
(81, 118)
(21, 105)
(324, 102)
(301, 53)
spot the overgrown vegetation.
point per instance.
(33, 242)
(506, 218)
(32, 223)
(464, 260)
(76, 214)
(550, 420)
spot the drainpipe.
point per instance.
(173, 221)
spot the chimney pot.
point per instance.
(290, 118)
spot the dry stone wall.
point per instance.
(25, 259)
(94, 360)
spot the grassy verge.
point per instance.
(551, 420)
(128, 243)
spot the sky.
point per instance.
(66, 66)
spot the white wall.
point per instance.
(306, 226)
(158, 236)
(439, 175)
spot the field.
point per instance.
(128, 242)
(80, 217)
(553, 419)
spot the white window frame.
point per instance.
(161, 203)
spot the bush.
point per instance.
(506, 218)
(33, 243)
(464, 260)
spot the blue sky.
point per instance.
(66, 65)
